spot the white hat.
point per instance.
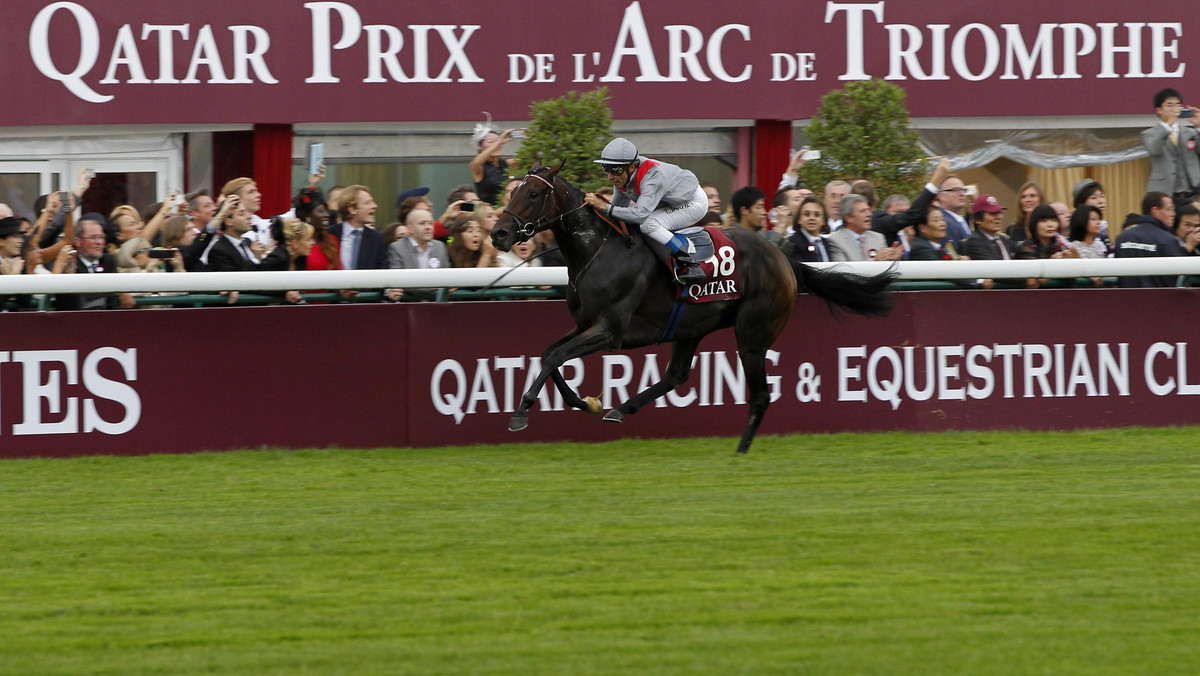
(618, 151)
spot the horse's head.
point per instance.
(531, 208)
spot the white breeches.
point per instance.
(661, 224)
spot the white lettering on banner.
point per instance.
(982, 42)
(633, 40)
(721, 380)
(43, 384)
(1178, 384)
(250, 45)
(383, 54)
(891, 374)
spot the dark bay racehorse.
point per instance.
(620, 296)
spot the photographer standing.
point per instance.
(1172, 144)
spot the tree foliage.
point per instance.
(575, 128)
(862, 132)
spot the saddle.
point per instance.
(715, 253)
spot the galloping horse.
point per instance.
(620, 296)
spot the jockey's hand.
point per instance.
(595, 201)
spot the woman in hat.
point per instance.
(656, 196)
(489, 170)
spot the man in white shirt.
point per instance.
(835, 191)
(857, 241)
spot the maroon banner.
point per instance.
(443, 374)
(282, 61)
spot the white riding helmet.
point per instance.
(618, 151)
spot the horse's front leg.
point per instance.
(570, 397)
(677, 373)
(597, 337)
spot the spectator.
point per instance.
(11, 244)
(1029, 196)
(129, 224)
(230, 251)
(201, 209)
(463, 194)
(419, 251)
(509, 187)
(987, 243)
(856, 241)
(714, 197)
(324, 254)
(1171, 143)
(88, 257)
(1150, 237)
(1084, 234)
(333, 202)
(394, 231)
(297, 238)
(807, 244)
(784, 205)
(834, 192)
(466, 248)
(891, 225)
(1086, 192)
(489, 169)
(749, 209)
(258, 231)
(410, 203)
(359, 247)
(1187, 228)
(926, 244)
(894, 204)
(519, 254)
(1045, 242)
(134, 256)
(952, 196)
(178, 233)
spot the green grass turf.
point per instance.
(980, 553)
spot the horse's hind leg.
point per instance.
(758, 325)
(677, 373)
(754, 364)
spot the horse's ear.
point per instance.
(554, 171)
(537, 164)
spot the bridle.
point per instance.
(528, 229)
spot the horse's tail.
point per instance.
(857, 293)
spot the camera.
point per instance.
(161, 253)
(810, 155)
(467, 206)
(1187, 112)
(517, 134)
(64, 201)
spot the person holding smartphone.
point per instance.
(1173, 145)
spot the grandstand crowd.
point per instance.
(844, 220)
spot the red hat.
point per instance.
(986, 203)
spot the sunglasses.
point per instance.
(613, 170)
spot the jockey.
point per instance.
(658, 197)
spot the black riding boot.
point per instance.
(692, 273)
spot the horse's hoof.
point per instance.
(518, 423)
(614, 416)
(593, 405)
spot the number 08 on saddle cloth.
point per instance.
(717, 256)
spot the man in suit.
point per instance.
(855, 241)
(90, 259)
(360, 244)
(230, 251)
(952, 197)
(988, 242)
(1172, 144)
(419, 250)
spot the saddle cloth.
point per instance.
(717, 256)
